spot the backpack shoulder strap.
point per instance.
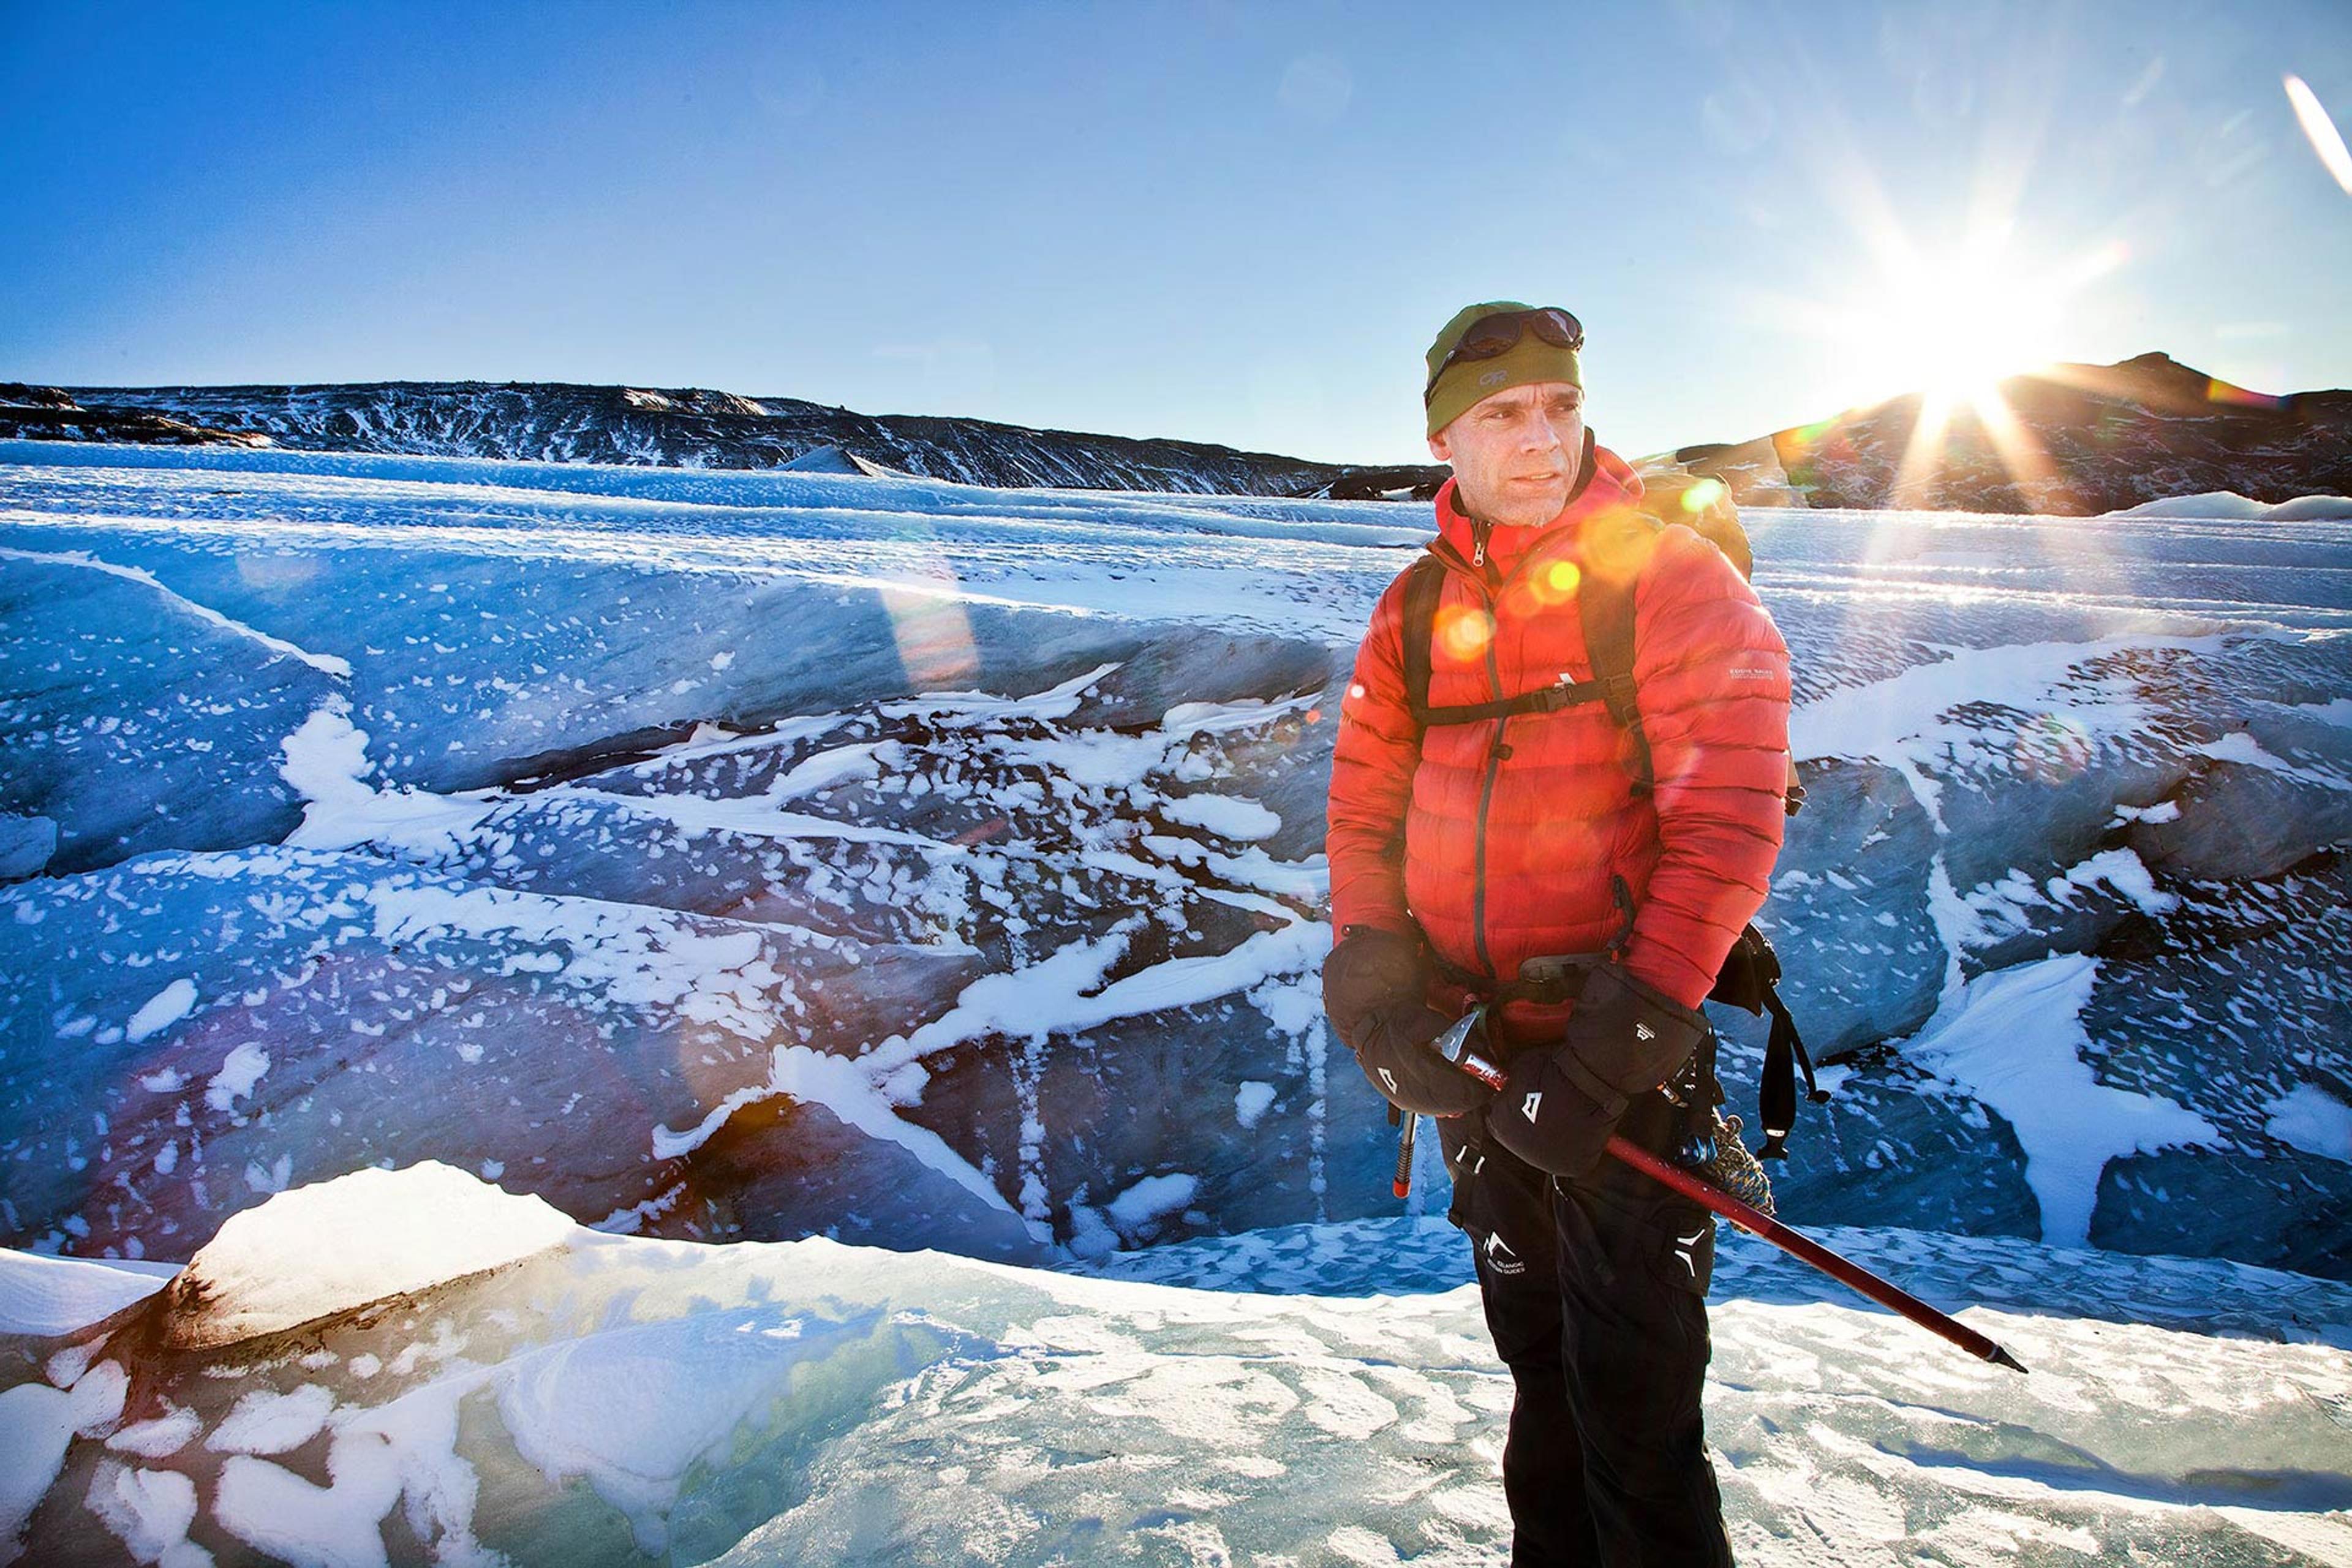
(1424, 580)
(1606, 605)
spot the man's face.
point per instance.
(1515, 454)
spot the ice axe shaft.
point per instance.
(1403, 1185)
(1755, 1222)
(1455, 1047)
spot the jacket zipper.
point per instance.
(1495, 753)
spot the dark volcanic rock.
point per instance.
(2095, 438)
(46, 414)
(17, 393)
(691, 428)
(1409, 481)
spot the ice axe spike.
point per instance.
(1844, 1271)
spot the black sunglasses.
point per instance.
(1490, 336)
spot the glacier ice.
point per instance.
(769, 855)
(1315, 1392)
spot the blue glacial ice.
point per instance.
(774, 855)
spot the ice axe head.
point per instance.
(1459, 1045)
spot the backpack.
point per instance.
(1749, 978)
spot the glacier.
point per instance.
(864, 865)
(558, 820)
(544, 1393)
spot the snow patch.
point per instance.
(2014, 1042)
(37, 1426)
(238, 1075)
(149, 1511)
(2314, 1120)
(1150, 1198)
(267, 1422)
(2239, 746)
(2229, 506)
(46, 1296)
(1098, 759)
(162, 1010)
(1224, 816)
(363, 1237)
(327, 763)
(2122, 870)
(161, 1437)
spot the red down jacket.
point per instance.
(1501, 837)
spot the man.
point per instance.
(1460, 850)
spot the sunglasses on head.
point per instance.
(1490, 336)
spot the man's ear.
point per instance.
(1439, 448)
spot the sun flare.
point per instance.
(1951, 327)
(1946, 320)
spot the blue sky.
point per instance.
(1228, 222)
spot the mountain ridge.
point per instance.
(2066, 439)
(657, 427)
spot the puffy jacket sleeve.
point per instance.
(1373, 765)
(1713, 678)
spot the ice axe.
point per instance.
(1403, 1185)
(1454, 1046)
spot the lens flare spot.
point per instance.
(1703, 495)
(2320, 132)
(2237, 396)
(2051, 750)
(934, 635)
(1463, 632)
(1554, 584)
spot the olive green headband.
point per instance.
(1468, 382)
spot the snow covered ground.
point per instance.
(504, 1384)
(2218, 504)
(745, 856)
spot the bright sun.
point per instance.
(1952, 328)
(1947, 326)
(1952, 325)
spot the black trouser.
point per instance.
(1596, 1295)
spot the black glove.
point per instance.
(1373, 987)
(1561, 1104)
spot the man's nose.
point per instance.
(1537, 435)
